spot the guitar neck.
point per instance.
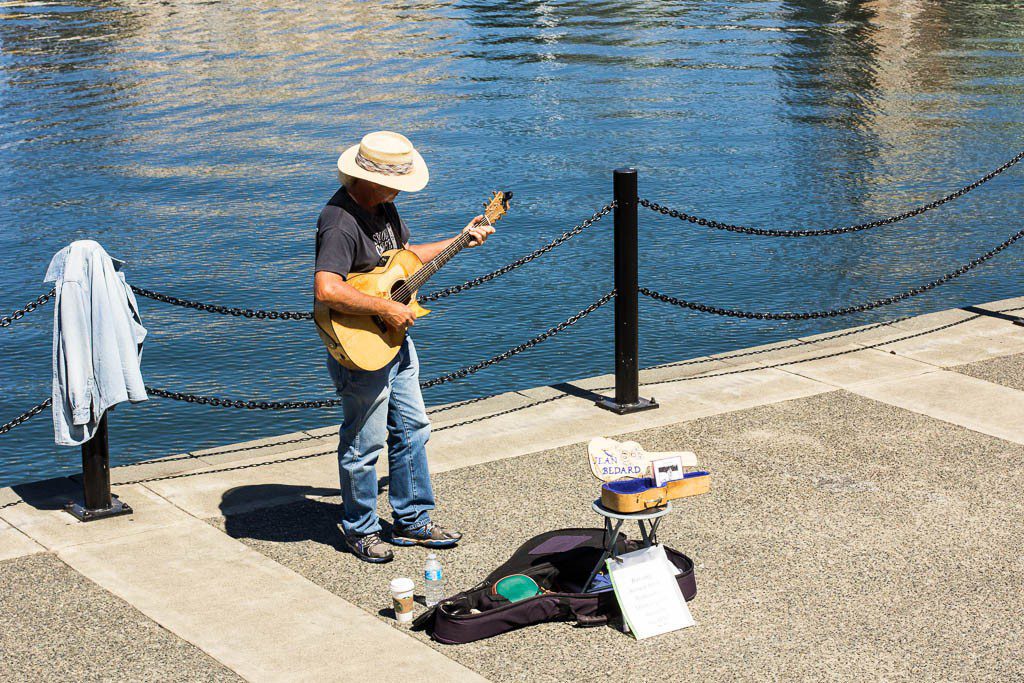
(420, 277)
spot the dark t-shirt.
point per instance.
(350, 239)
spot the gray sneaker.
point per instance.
(369, 548)
(431, 535)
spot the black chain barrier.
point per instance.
(224, 310)
(847, 310)
(26, 416)
(467, 371)
(244, 405)
(561, 239)
(717, 225)
(331, 403)
(8, 320)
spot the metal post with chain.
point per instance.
(627, 325)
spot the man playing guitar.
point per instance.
(383, 406)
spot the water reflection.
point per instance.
(197, 141)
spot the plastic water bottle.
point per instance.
(433, 580)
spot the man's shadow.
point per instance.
(300, 516)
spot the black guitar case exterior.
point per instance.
(560, 562)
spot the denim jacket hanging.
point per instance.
(97, 340)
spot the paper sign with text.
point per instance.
(667, 469)
(648, 594)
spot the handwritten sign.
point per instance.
(611, 460)
(645, 586)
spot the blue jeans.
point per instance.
(383, 406)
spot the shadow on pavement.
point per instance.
(302, 515)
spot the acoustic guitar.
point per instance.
(365, 342)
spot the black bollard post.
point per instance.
(627, 339)
(98, 501)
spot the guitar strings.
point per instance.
(403, 291)
(443, 257)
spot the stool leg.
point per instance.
(609, 551)
(645, 537)
(654, 531)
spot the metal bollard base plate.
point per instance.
(624, 408)
(84, 514)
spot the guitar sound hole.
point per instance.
(401, 298)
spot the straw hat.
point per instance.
(386, 158)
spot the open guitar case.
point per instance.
(560, 562)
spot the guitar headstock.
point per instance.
(497, 207)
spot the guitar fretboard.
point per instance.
(420, 277)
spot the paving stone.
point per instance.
(971, 338)
(1007, 371)
(157, 467)
(261, 620)
(44, 520)
(257, 482)
(565, 419)
(853, 365)
(1012, 304)
(56, 625)
(494, 404)
(14, 543)
(953, 397)
(274, 445)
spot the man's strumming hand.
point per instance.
(396, 315)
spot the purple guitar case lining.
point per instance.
(560, 562)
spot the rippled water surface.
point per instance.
(197, 141)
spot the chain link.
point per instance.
(244, 405)
(330, 403)
(8, 320)
(225, 310)
(469, 370)
(847, 310)
(664, 210)
(26, 416)
(561, 239)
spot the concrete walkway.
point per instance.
(281, 604)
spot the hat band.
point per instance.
(385, 169)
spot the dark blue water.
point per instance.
(197, 141)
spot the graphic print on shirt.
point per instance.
(385, 239)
